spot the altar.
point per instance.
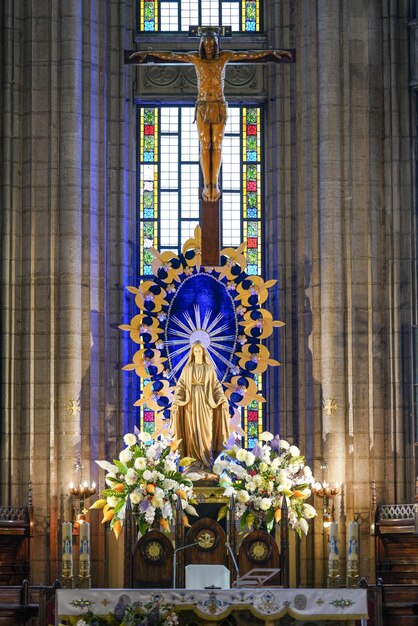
(265, 606)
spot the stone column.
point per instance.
(67, 178)
(339, 216)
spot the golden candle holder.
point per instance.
(327, 492)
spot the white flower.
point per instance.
(243, 496)
(303, 525)
(249, 458)
(241, 455)
(258, 481)
(136, 497)
(144, 437)
(140, 463)
(217, 469)
(309, 511)
(307, 471)
(294, 451)
(109, 467)
(275, 463)
(169, 465)
(129, 439)
(265, 453)
(167, 511)
(147, 475)
(193, 476)
(150, 514)
(266, 436)
(229, 491)
(151, 451)
(169, 483)
(263, 467)
(265, 504)
(157, 501)
(112, 501)
(191, 510)
(110, 482)
(284, 444)
(126, 455)
(81, 622)
(131, 477)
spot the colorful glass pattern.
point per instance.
(168, 188)
(178, 15)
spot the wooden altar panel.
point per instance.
(259, 550)
(152, 562)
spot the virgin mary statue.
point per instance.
(199, 413)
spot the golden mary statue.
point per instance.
(199, 413)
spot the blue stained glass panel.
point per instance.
(252, 213)
(148, 156)
(148, 213)
(252, 270)
(251, 156)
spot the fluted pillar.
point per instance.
(67, 182)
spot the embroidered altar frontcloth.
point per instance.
(268, 604)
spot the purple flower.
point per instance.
(144, 505)
(256, 451)
(275, 443)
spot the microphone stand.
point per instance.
(232, 555)
(189, 545)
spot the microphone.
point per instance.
(232, 555)
(189, 545)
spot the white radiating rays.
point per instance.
(186, 328)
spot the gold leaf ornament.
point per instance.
(194, 243)
(248, 392)
(258, 288)
(141, 362)
(144, 293)
(261, 357)
(264, 324)
(164, 260)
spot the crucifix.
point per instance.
(210, 115)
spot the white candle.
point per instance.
(333, 542)
(85, 549)
(67, 549)
(353, 549)
(333, 557)
(84, 541)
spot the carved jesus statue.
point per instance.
(199, 413)
(211, 106)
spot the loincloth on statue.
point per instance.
(211, 112)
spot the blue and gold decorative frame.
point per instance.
(222, 308)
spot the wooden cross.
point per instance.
(210, 63)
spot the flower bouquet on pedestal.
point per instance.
(261, 478)
(148, 472)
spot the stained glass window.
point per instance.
(178, 15)
(169, 202)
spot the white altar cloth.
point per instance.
(268, 604)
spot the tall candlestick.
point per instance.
(67, 549)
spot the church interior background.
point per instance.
(331, 216)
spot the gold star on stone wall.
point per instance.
(74, 407)
(330, 406)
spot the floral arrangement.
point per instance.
(148, 471)
(261, 478)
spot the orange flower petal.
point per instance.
(117, 527)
